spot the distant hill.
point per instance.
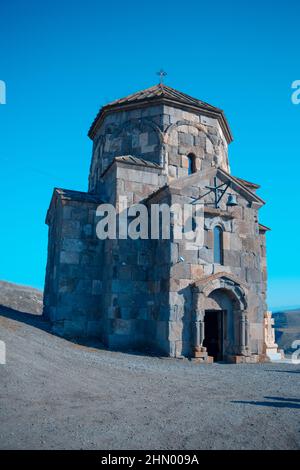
(21, 298)
(287, 329)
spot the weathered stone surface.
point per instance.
(69, 257)
(156, 293)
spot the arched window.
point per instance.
(218, 245)
(191, 163)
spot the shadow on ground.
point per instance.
(292, 403)
(284, 371)
(39, 321)
(32, 319)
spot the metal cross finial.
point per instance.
(161, 74)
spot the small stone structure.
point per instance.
(270, 347)
(160, 146)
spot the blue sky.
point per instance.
(62, 60)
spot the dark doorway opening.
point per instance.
(214, 333)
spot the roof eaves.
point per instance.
(243, 186)
(263, 228)
(161, 100)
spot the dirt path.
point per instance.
(55, 394)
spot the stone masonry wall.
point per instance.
(129, 284)
(74, 274)
(135, 132)
(161, 134)
(192, 133)
(242, 259)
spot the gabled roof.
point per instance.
(130, 160)
(135, 161)
(263, 228)
(165, 91)
(70, 195)
(163, 94)
(236, 183)
(252, 186)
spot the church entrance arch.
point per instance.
(220, 322)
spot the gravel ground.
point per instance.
(55, 394)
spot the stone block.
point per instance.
(75, 329)
(256, 331)
(198, 163)
(87, 230)
(219, 268)
(206, 254)
(67, 212)
(208, 269)
(146, 149)
(242, 227)
(124, 273)
(81, 214)
(114, 312)
(253, 275)
(175, 331)
(190, 256)
(84, 286)
(97, 287)
(69, 257)
(94, 328)
(162, 330)
(197, 271)
(172, 171)
(226, 240)
(118, 286)
(236, 212)
(190, 116)
(192, 130)
(182, 172)
(250, 244)
(121, 327)
(73, 244)
(71, 229)
(185, 139)
(232, 258)
(200, 141)
(235, 242)
(209, 238)
(184, 161)
(66, 284)
(138, 273)
(120, 342)
(209, 146)
(63, 312)
(58, 328)
(149, 178)
(181, 271)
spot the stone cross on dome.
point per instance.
(161, 74)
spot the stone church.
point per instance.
(159, 146)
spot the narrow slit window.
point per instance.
(191, 164)
(218, 245)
